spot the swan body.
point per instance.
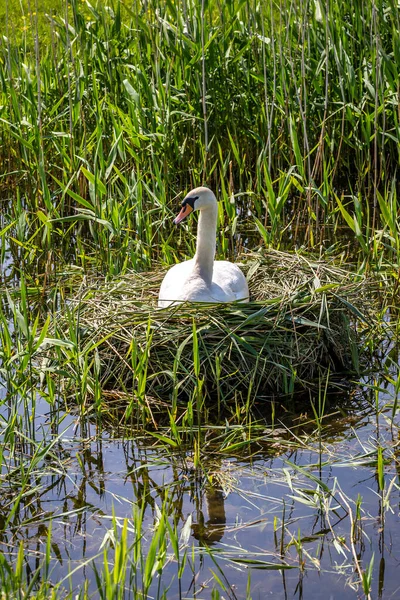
(202, 279)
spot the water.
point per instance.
(260, 508)
(286, 500)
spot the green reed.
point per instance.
(103, 123)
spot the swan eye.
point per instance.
(190, 200)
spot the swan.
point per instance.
(202, 279)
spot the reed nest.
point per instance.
(306, 318)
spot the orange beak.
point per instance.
(185, 211)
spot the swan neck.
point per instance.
(206, 243)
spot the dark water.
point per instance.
(257, 509)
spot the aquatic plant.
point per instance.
(288, 110)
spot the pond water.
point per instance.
(237, 517)
(298, 513)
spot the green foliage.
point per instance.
(102, 124)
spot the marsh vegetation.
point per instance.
(170, 463)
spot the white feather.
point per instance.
(202, 279)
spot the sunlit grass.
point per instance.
(104, 125)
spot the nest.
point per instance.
(306, 319)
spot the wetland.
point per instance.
(199, 452)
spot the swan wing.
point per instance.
(230, 279)
(174, 285)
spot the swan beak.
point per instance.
(185, 211)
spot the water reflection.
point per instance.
(248, 512)
(211, 530)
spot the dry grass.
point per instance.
(304, 320)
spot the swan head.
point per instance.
(201, 198)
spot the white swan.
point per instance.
(202, 279)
